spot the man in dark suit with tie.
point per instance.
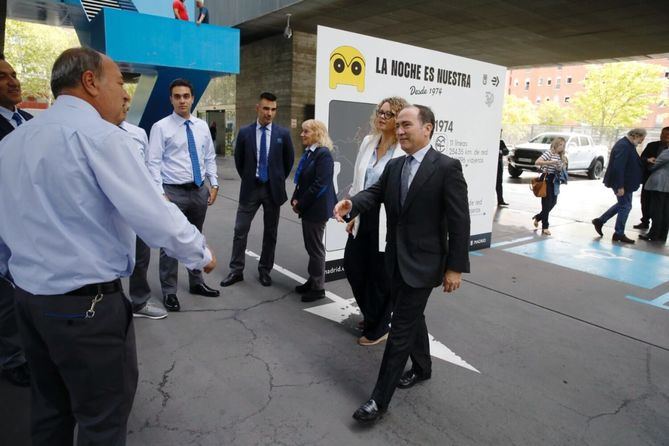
(12, 360)
(264, 156)
(425, 195)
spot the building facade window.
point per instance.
(540, 82)
(515, 83)
(527, 84)
(569, 79)
(538, 99)
(557, 82)
(566, 99)
(549, 82)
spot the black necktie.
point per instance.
(406, 174)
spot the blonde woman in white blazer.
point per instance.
(364, 254)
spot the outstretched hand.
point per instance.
(342, 209)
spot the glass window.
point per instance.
(515, 83)
(557, 82)
(569, 79)
(584, 140)
(566, 98)
(548, 81)
(540, 82)
(538, 100)
(527, 84)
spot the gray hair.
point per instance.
(71, 65)
(635, 133)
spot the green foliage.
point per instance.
(32, 49)
(518, 111)
(552, 113)
(618, 94)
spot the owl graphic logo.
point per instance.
(347, 67)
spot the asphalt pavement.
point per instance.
(560, 340)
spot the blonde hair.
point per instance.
(320, 133)
(396, 104)
(554, 145)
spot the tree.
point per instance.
(618, 94)
(552, 113)
(518, 115)
(32, 49)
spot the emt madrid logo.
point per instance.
(347, 67)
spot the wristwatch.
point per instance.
(214, 187)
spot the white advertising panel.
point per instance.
(354, 72)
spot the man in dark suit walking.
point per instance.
(652, 150)
(624, 175)
(12, 359)
(425, 195)
(264, 156)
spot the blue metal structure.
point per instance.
(158, 47)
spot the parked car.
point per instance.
(582, 154)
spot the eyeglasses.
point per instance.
(385, 114)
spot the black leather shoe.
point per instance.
(598, 226)
(410, 379)
(264, 278)
(369, 412)
(19, 376)
(171, 302)
(232, 279)
(641, 225)
(646, 237)
(313, 295)
(622, 239)
(305, 287)
(203, 290)
(502, 203)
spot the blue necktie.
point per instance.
(192, 151)
(17, 118)
(301, 164)
(262, 161)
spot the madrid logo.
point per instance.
(347, 67)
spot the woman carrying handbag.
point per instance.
(553, 165)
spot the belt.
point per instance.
(97, 288)
(187, 186)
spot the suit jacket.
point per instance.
(279, 162)
(314, 191)
(652, 150)
(659, 178)
(430, 233)
(6, 127)
(624, 169)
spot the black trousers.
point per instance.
(84, 371)
(193, 204)
(11, 350)
(646, 206)
(139, 289)
(659, 206)
(245, 214)
(498, 183)
(547, 203)
(408, 338)
(366, 273)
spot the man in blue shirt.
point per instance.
(181, 155)
(203, 13)
(80, 195)
(13, 364)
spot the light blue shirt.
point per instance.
(138, 134)
(169, 160)
(417, 159)
(268, 135)
(74, 193)
(7, 114)
(375, 167)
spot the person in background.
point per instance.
(623, 175)
(264, 156)
(13, 365)
(313, 201)
(553, 164)
(503, 151)
(181, 156)
(648, 156)
(657, 186)
(364, 261)
(179, 9)
(139, 289)
(203, 13)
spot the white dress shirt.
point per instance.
(417, 159)
(169, 160)
(79, 193)
(7, 114)
(139, 135)
(268, 135)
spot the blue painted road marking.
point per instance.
(659, 302)
(639, 268)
